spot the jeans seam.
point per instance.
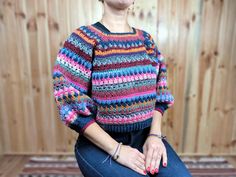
(88, 163)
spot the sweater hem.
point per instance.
(126, 127)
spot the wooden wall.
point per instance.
(198, 38)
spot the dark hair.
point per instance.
(101, 1)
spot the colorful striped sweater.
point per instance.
(112, 78)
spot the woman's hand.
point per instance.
(154, 149)
(132, 158)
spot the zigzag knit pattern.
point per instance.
(114, 79)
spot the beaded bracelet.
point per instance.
(116, 156)
(157, 135)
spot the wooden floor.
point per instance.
(11, 165)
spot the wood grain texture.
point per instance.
(12, 165)
(197, 38)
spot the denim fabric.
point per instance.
(95, 162)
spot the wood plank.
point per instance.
(11, 165)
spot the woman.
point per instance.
(110, 86)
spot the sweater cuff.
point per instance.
(82, 122)
(81, 132)
(161, 108)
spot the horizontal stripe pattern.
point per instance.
(115, 80)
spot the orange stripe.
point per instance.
(150, 51)
(84, 37)
(111, 51)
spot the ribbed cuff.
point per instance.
(160, 110)
(161, 107)
(86, 126)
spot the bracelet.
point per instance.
(115, 150)
(113, 156)
(119, 151)
(157, 135)
(116, 156)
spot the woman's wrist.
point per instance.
(155, 129)
(152, 130)
(115, 149)
(112, 147)
(116, 154)
(158, 135)
(156, 123)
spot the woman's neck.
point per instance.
(118, 27)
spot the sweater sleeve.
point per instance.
(164, 98)
(72, 72)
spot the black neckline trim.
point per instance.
(103, 28)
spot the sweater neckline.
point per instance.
(98, 25)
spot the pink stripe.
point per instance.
(63, 71)
(71, 117)
(65, 91)
(126, 96)
(74, 64)
(133, 119)
(123, 79)
(161, 83)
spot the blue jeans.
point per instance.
(95, 162)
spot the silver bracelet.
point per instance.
(157, 135)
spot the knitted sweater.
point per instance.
(112, 78)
